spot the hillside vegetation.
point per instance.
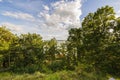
(91, 52)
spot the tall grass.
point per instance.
(62, 75)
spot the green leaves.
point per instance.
(94, 41)
(93, 45)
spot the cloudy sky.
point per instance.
(49, 18)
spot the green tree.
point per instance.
(75, 42)
(27, 50)
(5, 40)
(97, 42)
(51, 49)
(99, 36)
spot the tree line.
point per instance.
(96, 45)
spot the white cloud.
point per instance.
(118, 14)
(46, 7)
(1, 0)
(13, 27)
(59, 35)
(19, 15)
(54, 20)
(65, 15)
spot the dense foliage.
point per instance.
(95, 47)
(98, 41)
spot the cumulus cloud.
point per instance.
(54, 19)
(19, 15)
(64, 15)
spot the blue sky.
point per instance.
(49, 18)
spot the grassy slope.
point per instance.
(62, 75)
